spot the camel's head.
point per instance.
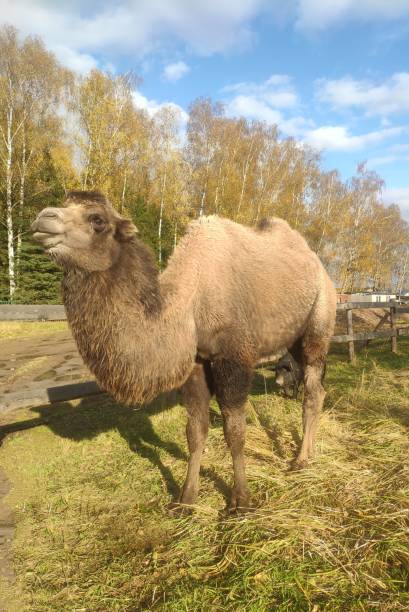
(85, 233)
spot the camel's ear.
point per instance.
(125, 230)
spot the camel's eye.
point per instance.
(97, 222)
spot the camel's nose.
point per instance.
(49, 214)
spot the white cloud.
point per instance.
(399, 148)
(275, 99)
(79, 62)
(398, 195)
(338, 138)
(152, 106)
(321, 14)
(174, 72)
(132, 26)
(90, 27)
(264, 101)
(267, 102)
(384, 160)
(391, 96)
(276, 91)
(253, 108)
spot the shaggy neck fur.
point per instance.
(126, 324)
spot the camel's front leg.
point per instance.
(232, 382)
(195, 397)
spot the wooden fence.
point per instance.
(77, 390)
(23, 312)
(29, 312)
(393, 309)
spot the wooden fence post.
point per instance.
(350, 331)
(394, 338)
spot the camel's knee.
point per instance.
(313, 378)
(234, 426)
(196, 391)
(196, 394)
(196, 431)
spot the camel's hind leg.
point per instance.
(196, 394)
(232, 383)
(314, 352)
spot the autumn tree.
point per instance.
(31, 86)
(59, 131)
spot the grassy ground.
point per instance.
(91, 489)
(9, 330)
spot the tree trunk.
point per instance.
(162, 199)
(326, 217)
(21, 205)
(243, 183)
(9, 207)
(175, 235)
(402, 276)
(123, 193)
(87, 165)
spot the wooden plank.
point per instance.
(53, 395)
(362, 305)
(374, 305)
(360, 336)
(30, 312)
(394, 340)
(380, 323)
(65, 393)
(350, 330)
(341, 338)
(56, 312)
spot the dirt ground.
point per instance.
(31, 364)
(28, 364)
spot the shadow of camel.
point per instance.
(96, 415)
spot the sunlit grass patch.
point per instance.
(10, 330)
(91, 491)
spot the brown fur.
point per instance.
(229, 297)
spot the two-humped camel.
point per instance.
(229, 296)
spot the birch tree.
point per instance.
(166, 160)
(30, 83)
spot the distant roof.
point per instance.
(374, 292)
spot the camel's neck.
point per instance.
(133, 335)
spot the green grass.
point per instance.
(9, 330)
(91, 489)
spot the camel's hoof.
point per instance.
(179, 510)
(239, 503)
(297, 465)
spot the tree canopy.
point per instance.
(59, 131)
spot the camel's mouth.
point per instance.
(47, 240)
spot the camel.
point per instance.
(229, 297)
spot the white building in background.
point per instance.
(373, 297)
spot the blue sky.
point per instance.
(332, 73)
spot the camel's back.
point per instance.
(265, 280)
(240, 257)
